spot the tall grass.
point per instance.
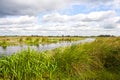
(99, 60)
(26, 65)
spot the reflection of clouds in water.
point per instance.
(14, 49)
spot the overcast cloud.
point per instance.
(33, 7)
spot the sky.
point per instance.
(60, 17)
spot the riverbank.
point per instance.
(98, 60)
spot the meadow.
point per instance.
(98, 60)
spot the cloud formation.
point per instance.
(31, 7)
(21, 17)
(18, 20)
(93, 20)
(34, 7)
(93, 16)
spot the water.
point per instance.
(13, 49)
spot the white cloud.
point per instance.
(94, 22)
(18, 20)
(19, 17)
(93, 16)
(101, 19)
(17, 24)
(116, 4)
(101, 22)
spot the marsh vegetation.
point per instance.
(98, 60)
(33, 40)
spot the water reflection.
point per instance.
(13, 49)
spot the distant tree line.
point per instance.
(106, 36)
(57, 36)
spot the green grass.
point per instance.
(98, 60)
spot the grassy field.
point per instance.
(33, 40)
(98, 60)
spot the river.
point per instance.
(13, 49)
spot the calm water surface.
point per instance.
(13, 49)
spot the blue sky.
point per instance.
(76, 9)
(61, 17)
